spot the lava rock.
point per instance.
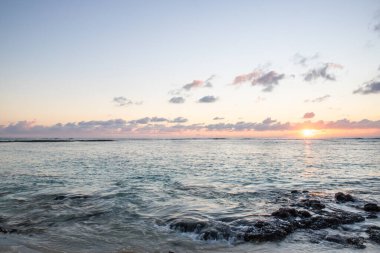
(285, 213)
(357, 242)
(188, 225)
(311, 203)
(341, 197)
(374, 233)
(371, 216)
(371, 207)
(263, 231)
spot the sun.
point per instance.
(307, 133)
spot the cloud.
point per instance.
(207, 99)
(371, 87)
(318, 99)
(179, 120)
(309, 115)
(199, 84)
(218, 118)
(149, 120)
(123, 101)
(266, 125)
(376, 27)
(177, 100)
(267, 79)
(157, 125)
(299, 59)
(322, 72)
(145, 120)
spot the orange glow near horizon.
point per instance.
(309, 133)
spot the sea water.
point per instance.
(120, 196)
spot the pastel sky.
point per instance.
(205, 68)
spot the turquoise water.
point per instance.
(120, 196)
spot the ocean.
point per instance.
(189, 195)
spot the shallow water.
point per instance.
(121, 196)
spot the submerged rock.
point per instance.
(278, 225)
(285, 213)
(263, 231)
(341, 197)
(188, 225)
(311, 203)
(357, 242)
(374, 233)
(371, 207)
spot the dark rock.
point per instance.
(357, 242)
(188, 225)
(374, 233)
(285, 213)
(303, 214)
(371, 207)
(330, 220)
(311, 203)
(60, 197)
(294, 191)
(335, 238)
(341, 197)
(371, 216)
(263, 231)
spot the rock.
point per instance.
(341, 197)
(335, 238)
(374, 233)
(330, 220)
(371, 216)
(311, 203)
(285, 213)
(371, 207)
(294, 191)
(303, 214)
(263, 231)
(357, 242)
(188, 225)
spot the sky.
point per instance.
(189, 68)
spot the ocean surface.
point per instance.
(131, 195)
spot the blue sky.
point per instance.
(66, 61)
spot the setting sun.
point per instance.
(309, 133)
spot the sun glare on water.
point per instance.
(308, 133)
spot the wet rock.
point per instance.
(371, 216)
(329, 220)
(371, 207)
(263, 231)
(374, 233)
(335, 238)
(285, 213)
(294, 191)
(303, 214)
(341, 197)
(188, 225)
(60, 197)
(311, 203)
(357, 242)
